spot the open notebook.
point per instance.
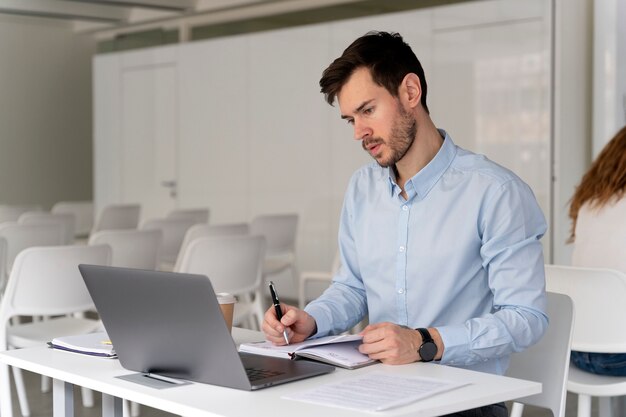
(342, 351)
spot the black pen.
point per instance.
(279, 312)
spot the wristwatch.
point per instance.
(428, 349)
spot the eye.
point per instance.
(368, 110)
(350, 121)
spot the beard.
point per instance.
(401, 138)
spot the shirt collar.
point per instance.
(428, 176)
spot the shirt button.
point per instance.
(401, 248)
(401, 291)
(405, 207)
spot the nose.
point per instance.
(361, 130)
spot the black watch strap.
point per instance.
(426, 337)
(428, 350)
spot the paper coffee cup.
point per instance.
(227, 304)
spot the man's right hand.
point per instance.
(298, 323)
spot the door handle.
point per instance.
(169, 184)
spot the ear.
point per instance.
(411, 90)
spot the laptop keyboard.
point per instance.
(254, 374)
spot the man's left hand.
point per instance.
(390, 343)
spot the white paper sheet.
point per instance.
(375, 391)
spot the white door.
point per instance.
(149, 120)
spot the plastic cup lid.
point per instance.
(226, 298)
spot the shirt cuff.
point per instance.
(455, 344)
(322, 320)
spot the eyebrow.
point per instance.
(358, 109)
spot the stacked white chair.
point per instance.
(199, 215)
(118, 216)
(67, 220)
(234, 264)
(83, 215)
(131, 248)
(21, 236)
(10, 213)
(280, 231)
(3, 262)
(547, 361)
(207, 230)
(317, 276)
(45, 281)
(173, 232)
(598, 296)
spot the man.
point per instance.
(439, 246)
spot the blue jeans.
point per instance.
(613, 364)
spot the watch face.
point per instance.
(428, 351)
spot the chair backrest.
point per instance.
(131, 248)
(46, 281)
(279, 230)
(22, 236)
(598, 295)
(548, 360)
(206, 230)
(67, 220)
(173, 232)
(3, 263)
(234, 264)
(10, 213)
(83, 215)
(116, 217)
(200, 215)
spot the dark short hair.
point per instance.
(385, 54)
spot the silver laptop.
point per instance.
(171, 324)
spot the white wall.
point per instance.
(45, 117)
(609, 71)
(572, 114)
(255, 136)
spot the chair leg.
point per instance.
(517, 410)
(604, 407)
(135, 409)
(21, 392)
(46, 384)
(6, 402)
(584, 405)
(619, 404)
(259, 310)
(87, 395)
(125, 408)
(295, 274)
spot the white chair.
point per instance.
(131, 248)
(116, 217)
(10, 213)
(598, 295)
(317, 276)
(67, 220)
(206, 230)
(548, 360)
(234, 264)
(280, 232)
(200, 215)
(83, 215)
(21, 236)
(3, 261)
(45, 281)
(173, 232)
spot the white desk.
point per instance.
(206, 400)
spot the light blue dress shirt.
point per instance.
(461, 254)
